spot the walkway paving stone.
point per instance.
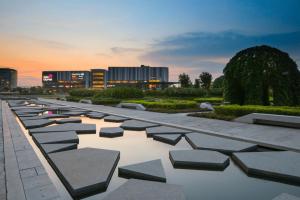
(172, 139)
(29, 124)
(85, 171)
(227, 146)
(96, 115)
(111, 132)
(282, 166)
(285, 196)
(75, 113)
(137, 125)
(146, 190)
(52, 148)
(199, 159)
(151, 170)
(112, 118)
(56, 137)
(79, 128)
(68, 120)
(165, 130)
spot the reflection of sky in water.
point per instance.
(230, 184)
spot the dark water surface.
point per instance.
(230, 184)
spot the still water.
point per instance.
(230, 184)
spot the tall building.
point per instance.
(66, 79)
(8, 79)
(98, 78)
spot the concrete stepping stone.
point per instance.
(137, 125)
(224, 145)
(85, 171)
(165, 130)
(79, 128)
(56, 137)
(26, 115)
(28, 124)
(285, 196)
(199, 159)
(96, 115)
(28, 111)
(36, 117)
(111, 132)
(113, 118)
(53, 148)
(68, 120)
(150, 170)
(283, 166)
(135, 189)
(172, 139)
(48, 116)
(74, 113)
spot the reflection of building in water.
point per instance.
(8, 79)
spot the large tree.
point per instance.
(205, 80)
(252, 73)
(218, 82)
(197, 83)
(185, 80)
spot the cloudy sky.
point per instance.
(188, 36)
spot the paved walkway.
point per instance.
(26, 178)
(270, 136)
(2, 171)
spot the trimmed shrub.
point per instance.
(184, 92)
(212, 100)
(237, 110)
(82, 92)
(120, 93)
(166, 104)
(73, 98)
(105, 101)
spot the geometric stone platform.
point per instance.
(285, 196)
(165, 130)
(150, 170)
(113, 118)
(172, 139)
(75, 113)
(85, 171)
(79, 128)
(224, 145)
(277, 120)
(96, 115)
(199, 159)
(283, 166)
(56, 137)
(52, 148)
(135, 189)
(28, 124)
(48, 116)
(137, 125)
(111, 132)
(68, 120)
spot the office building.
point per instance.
(8, 79)
(98, 78)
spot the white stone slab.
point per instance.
(227, 146)
(151, 170)
(146, 190)
(281, 166)
(199, 159)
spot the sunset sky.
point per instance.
(188, 36)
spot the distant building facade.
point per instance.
(145, 77)
(8, 79)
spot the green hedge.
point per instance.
(120, 93)
(184, 92)
(82, 92)
(213, 100)
(237, 110)
(166, 104)
(105, 101)
(73, 98)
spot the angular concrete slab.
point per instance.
(74, 113)
(137, 125)
(165, 130)
(79, 128)
(68, 120)
(56, 137)
(285, 196)
(28, 124)
(96, 115)
(277, 120)
(49, 116)
(28, 111)
(52, 148)
(26, 115)
(281, 166)
(227, 146)
(111, 132)
(112, 118)
(172, 139)
(85, 171)
(36, 117)
(146, 190)
(199, 159)
(151, 170)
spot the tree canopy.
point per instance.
(185, 80)
(205, 80)
(252, 74)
